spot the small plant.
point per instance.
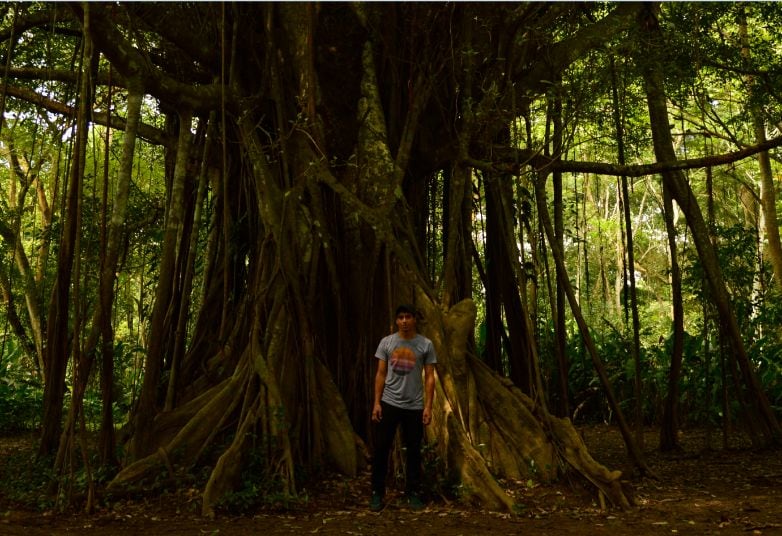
(258, 486)
(519, 509)
(24, 479)
(436, 480)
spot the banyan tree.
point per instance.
(320, 162)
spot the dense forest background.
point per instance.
(210, 212)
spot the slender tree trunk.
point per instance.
(58, 346)
(108, 278)
(496, 336)
(563, 278)
(560, 332)
(11, 234)
(106, 441)
(669, 428)
(160, 323)
(635, 348)
(708, 319)
(502, 280)
(683, 194)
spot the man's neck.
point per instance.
(407, 335)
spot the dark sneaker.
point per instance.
(414, 501)
(376, 502)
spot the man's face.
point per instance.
(405, 322)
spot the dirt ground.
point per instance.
(698, 491)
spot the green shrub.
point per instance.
(21, 392)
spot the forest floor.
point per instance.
(698, 491)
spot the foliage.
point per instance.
(25, 477)
(436, 480)
(258, 486)
(21, 392)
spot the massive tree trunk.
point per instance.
(325, 118)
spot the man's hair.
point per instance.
(406, 308)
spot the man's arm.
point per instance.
(380, 383)
(428, 392)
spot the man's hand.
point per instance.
(380, 382)
(427, 418)
(377, 413)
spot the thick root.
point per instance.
(528, 452)
(190, 439)
(460, 456)
(577, 455)
(228, 467)
(455, 404)
(341, 442)
(502, 430)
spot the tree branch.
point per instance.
(512, 160)
(563, 53)
(46, 17)
(146, 132)
(133, 65)
(60, 75)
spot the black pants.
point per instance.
(412, 432)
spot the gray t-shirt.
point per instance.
(406, 358)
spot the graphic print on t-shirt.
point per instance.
(402, 360)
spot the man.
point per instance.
(400, 400)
